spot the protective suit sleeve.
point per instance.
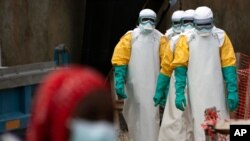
(181, 54)
(120, 76)
(228, 60)
(163, 45)
(162, 87)
(180, 84)
(122, 50)
(227, 53)
(166, 61)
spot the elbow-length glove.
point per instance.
(162, 87)
(180, 84)
(230, 76)
(120, 76)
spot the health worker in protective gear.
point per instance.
(136, 60)
(206, 57)
(175, 25)
(163, 79)
(176, 125)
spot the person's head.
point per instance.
(188, 20)
(147, 20)
(176, 21)
(203, 20)
(92, 118)
(69, 100)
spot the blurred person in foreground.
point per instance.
(72, 104)
(9, 137)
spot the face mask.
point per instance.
(82, 130)
(146, 28)
(177, 29)
(186, 27)
(176, 26)
(204, 28)
(204, 32)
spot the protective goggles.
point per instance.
(145, 20)
(203, 24)
(176, 23)
(187, 20)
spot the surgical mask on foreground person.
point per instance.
(83, 130)
(69, 101)
(93, 121)
(9, 137)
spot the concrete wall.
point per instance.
(230, 15)
(30, 29)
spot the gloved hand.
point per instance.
(180, 102)
(233, 101)
(162, 87)
(120, 75)
(180, 84)
(230, 76)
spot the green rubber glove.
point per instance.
(180, 84)
(162, 87)
(230, 76)
(120, 75)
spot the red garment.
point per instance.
(55, 100)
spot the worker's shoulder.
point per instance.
(220, 34)
(169, 33)
(189, 35)
(218, 31)
(157, 32)
(158, 35)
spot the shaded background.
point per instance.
(90, 29)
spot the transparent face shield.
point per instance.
(204, 26)
(147, 24)
(176, 25)
(187, 24)
(145, 20)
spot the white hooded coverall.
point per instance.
(204, 58)
(176, 125)
(142, 53)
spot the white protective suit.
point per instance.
(205, 80)
(143, 68)
(176, 125)
(141, 50)
(176, 17)
(200, 69)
